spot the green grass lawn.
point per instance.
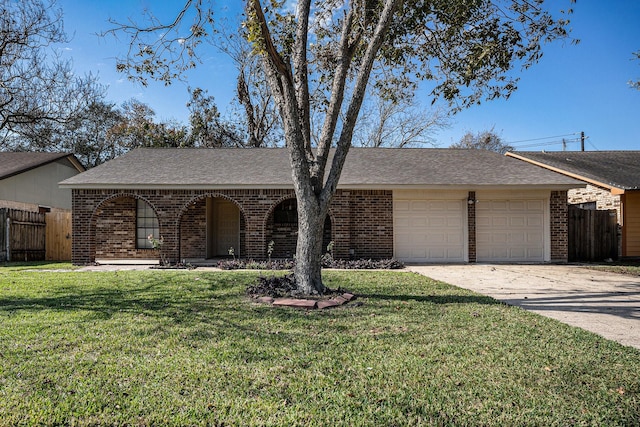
(631, 268)
(187, 348)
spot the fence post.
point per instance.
(8, 236)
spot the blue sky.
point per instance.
(573, 88)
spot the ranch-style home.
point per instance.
(417, 205)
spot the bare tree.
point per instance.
(485, 140)
(36, 85)
(465, 48)
(87, 135)
(635, 84)
(386, 123)
(261, 118)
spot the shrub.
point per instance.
(250, 264)
(327, 262)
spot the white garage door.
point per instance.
(510, 230)
(429, 230)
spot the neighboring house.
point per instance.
(29, 181)
(418, 205)
(35, 213)
(613, 182)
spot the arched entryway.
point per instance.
(282, 229)
(122, 225)
(211, 227)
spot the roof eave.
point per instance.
(612, 188)
(471, 187)
(71, 157)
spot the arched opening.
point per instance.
(282, 229)
(211, 227)
(123, 225)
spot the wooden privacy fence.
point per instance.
(23, 235)
(593, 234)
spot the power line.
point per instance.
(546, 137)
(548, 143)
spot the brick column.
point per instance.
(82, 242)
(471, 225)
(559, 226)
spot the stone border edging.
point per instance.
(308, 304)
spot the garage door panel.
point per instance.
(455, 221)
(419, 206)
(536, 221)
(516, 205)
(517, 221)
(498, 221)
(418, 221)
(402, 222)
(510, 230)
(401, 205)
(535, 205)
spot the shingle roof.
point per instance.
(614, 169)
(269, 168)
(13, 163)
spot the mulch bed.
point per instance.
(281, 292)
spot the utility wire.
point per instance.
(546, 137)
(547, 143)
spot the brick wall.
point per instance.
(558, 224)
(193, 231)
(602, 196)
(371, 230)
(362, 222)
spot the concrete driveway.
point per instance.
(605, 303)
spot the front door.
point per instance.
(223, 227)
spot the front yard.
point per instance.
(188, 348)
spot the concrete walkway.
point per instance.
(607, 304)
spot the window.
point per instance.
(146, 225)
(286, 212)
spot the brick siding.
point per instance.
(559, 229)
(592, 193)
(99, 214)
(471, 221)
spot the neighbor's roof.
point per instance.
(14, 163)
(610, 169)
(269, 168)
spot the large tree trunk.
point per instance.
(307, 271)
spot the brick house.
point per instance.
(613, 182)
(418, 205)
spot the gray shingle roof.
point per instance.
(269, 168)
(619, 169)
(13, 163)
